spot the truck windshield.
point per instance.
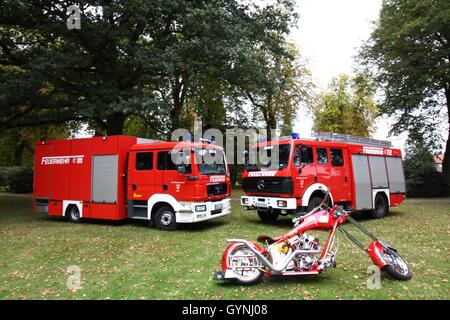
(210, 161)
(274, 156)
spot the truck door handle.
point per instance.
(345, 178)
(133, 187)
(165, 187)
(315, 178)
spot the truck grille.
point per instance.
(268, 185)
(216, 189)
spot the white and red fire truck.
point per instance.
(119, 177)
(361, 174)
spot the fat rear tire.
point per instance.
(165, 219)
(381, 207)
(73, 214)
(268, 216)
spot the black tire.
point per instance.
(73, 214)
(381, 207)
(315, 202)
(398, 270)
(268, 216)
(165, 219)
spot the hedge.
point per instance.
(16, 179)
(427, 184)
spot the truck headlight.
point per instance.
(244, 200)
(200, 208)
(282, 203)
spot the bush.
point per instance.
(16, 179)
(431, 184)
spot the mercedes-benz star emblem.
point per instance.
(260, 184)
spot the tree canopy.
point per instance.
(409, 53)
(346, 106)
(131, 58)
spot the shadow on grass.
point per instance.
(279, 281)
(190, 227)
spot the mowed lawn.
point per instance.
(129, 260)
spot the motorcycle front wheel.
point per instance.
(245, 266)
(397, 267)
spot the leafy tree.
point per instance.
(283, 84)
(409, 52)
(17, 144)
(422, 178)
(346, 107)
(130, 58)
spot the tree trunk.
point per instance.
(178, 96)
(18, 152)
(115, 123)
(271, 122)
(446, 162)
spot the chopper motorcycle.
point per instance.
(297, 253)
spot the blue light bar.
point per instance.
(295, 135)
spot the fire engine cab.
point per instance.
(361, 174)
(119, 177)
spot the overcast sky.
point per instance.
(328, 35)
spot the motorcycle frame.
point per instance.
(330, 219)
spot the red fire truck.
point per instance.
(361, 174)
(119, 177)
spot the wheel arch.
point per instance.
(156, 201)
(67, 204)
(382, 192)
(314, 190)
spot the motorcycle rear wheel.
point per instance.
(241, 257)
(397, 267)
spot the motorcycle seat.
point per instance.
(267, 239)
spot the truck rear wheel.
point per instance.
(381, 207)
(165, 219)
(268, 216)
(74, 214)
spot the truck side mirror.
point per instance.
(181, 169)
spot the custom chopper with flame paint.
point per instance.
(298, 253)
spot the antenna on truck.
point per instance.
(348, 138)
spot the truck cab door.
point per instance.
(141, 175)
(170, 181)
(323, 166)
(340, 187)
(304, 173)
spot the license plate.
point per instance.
(218, 206)
(261, 205)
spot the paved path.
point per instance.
(18, 195)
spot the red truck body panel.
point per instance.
(63, 171)
(101, 177)
(361, 172)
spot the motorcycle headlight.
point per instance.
(200, 208)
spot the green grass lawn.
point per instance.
(129, 260)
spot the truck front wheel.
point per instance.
(267, 216)
(165, 219)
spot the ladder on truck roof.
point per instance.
(348, 138)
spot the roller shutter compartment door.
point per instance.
(362, 182)
(378, 172)
(396, 176)
(104, 179)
